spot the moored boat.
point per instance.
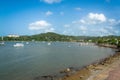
(18, 45)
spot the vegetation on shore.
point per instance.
(50, 36)
(41, 37)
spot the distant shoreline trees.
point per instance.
(50, 36)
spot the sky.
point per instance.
(69, 17)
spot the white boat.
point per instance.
(2, 42)
(27, 42)
(49, 43)
(18, 45)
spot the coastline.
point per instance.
(99, 70)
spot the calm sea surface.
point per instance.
(39, 58)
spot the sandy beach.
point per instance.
(107, 69)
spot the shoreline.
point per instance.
(94, 71)
(98, 70)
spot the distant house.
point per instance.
(13, 35)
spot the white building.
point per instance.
(13, 35)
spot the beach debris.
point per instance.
(65, 71)
(68, 70)
(81, 77)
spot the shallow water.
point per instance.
(39, 58)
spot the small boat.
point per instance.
(49, 43)
(18, 45)
(27, 42)
(2, 43)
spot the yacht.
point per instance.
(18, 45)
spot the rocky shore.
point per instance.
(99, 70)
(107, 45)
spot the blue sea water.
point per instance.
(39, 58)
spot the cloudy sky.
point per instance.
(70, 17)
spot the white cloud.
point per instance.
(107, 31)
(78, 8)
(92, 18)
(41, 26)
(112, 21)
(95, 24)
(73, 22)
(50, 30)
(51, 1)
(103, 30)
(83, 28)
(82, 21)
(48, 13)
(97, 17)
(66, 25)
